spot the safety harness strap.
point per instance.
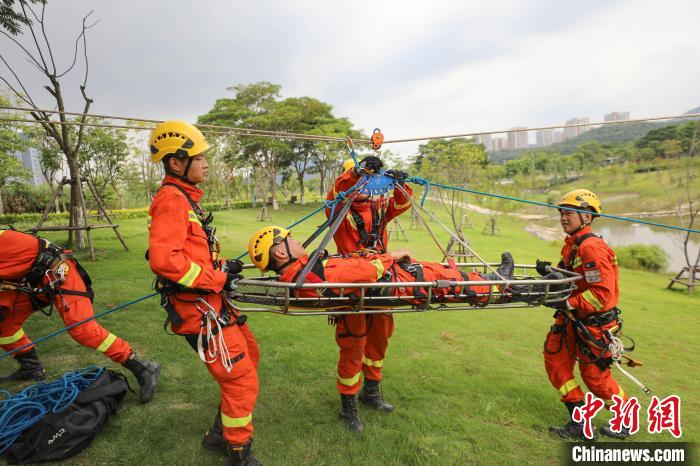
(574, 250)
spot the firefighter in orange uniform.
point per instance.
(363, 339)
(34, 274)
(593, 307)
(183, 253)
(273, 248)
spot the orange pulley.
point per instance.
(377, 139)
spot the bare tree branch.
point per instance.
(46, 39)
(18, 44)
(77, 41)
(28, 97)
(31, 29)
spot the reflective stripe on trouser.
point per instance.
(560, 369)
(357, 351)
(376, 344)
(15, 308)
(239, 388)
(91, 334)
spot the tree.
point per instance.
(312, 117)
(256, 106)
(329, 156)
(12, 19)
(101, 156)
(456, 162)
(11, 142)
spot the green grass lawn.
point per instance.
(469, 386)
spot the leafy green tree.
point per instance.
(256, 106)
(11, 142)
(457, 162)
(101, 156)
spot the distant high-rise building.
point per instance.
(517, 139)
(558, 136)
(30, 160)
(484, 139)
(572, 132)
(498, 143)
(617, 116)
(545, 137)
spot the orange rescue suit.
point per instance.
(19, 252)
(597, 294)
(179, 251)
(347, 237)
(363, 339)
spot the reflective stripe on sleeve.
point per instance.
(236, 421)
(193, 217)
(350, 381)
(191, 275)
(592, 300)
(104, 346)
(12, 338)
(379, 266)
(568, 386)
(372, 363)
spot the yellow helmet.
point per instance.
(178, 138)
(348, 164)
(261, 242)
(581, 199)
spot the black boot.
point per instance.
(349, 414)
(214, 438)
(146, 373)
(371, 394)
(506, 268)
(30, 368)
(608, 432)
(242, 455)
(572, 430)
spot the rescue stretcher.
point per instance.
(527, 289)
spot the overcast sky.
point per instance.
(409, 68)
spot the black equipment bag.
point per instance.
(58, 436)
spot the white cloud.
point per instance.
(411, 68)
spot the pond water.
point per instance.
(619, 233)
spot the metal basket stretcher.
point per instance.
(527, 289)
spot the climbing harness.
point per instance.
(44, 280)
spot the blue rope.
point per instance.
(421, 181)
(72, 326)
(21, 411)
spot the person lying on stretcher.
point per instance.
(274, 248)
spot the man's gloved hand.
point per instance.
(232, 266)
(370, 163)
(398, 174)
(543, 267)
(231, 279)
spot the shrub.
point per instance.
(643, 257)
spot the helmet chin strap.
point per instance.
(182, 177)
(291, 260)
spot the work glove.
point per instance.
(232, 266)
(370, 163)
(398, 174)
(543, 267)
(231, 279)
